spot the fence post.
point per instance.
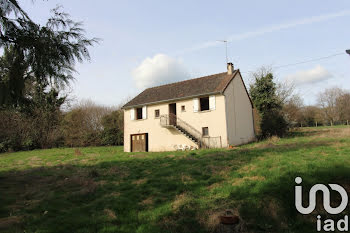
(347, 122)
(316, 123)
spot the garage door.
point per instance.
(139, 142)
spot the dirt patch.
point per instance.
(166, 165)
(210, 219)
(77, 152)
(140, 181)
(274, 139)
(84, 161)
(35, 161)
(93, 155)
(138, 155)
(20, 162)
(219, 170)
(333, 133)
(272, 209)
(147, 201)
(239, 181)
(35, 158)
(186, 179)
(248, 168)
(214, 186)
(81, 181)
(180, 200)
(110, 214)
(9, 222)
(119, 171)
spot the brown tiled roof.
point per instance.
(215, 83)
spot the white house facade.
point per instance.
(206, 112)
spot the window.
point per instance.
(183, 108)
(205, 131)
(204, 103)
(138, 113)
(156, 113)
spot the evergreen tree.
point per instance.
(43, 55)
(266, 101)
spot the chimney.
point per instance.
(229, 68)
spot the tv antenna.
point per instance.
(225, 41)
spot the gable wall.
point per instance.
(239, 115)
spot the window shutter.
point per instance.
(144, 112)
(195, 105)
(132, 114)
(212, 102)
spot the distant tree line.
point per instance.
(85, 124)
(280, 108)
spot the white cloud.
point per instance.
(268, 29)
(314, 75)
(157, 70)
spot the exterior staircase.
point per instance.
(187, 134)
(172, 121)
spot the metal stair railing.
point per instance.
(172, 120)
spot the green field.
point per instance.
(102, 189)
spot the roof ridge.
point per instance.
(214, 83)
(185, 80)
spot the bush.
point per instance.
(113, 128)
(273, 124)
(265, 99)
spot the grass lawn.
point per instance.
(102, 189)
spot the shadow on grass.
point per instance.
(167, 194)
(272, 209)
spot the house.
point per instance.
(210, 111)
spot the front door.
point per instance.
(172, 114)
(139, 142)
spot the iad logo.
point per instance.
(326, 198)
(329, 224)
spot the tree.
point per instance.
(37, 64)
(266, 101)
(82, 126)
(113, 128)
(285, 91)
(311, 116)
(43, 55)
(327, 100)
(343, 107)
(292, 110)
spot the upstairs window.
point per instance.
(204, 103)
(138, 113)
(183, 108)
(156, 113)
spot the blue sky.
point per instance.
(146, 43)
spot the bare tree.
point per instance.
(292, 110)
(343, 107)
(93, 113)
(286, 91)
(327, 100)
(82, 125)
(311, 116)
